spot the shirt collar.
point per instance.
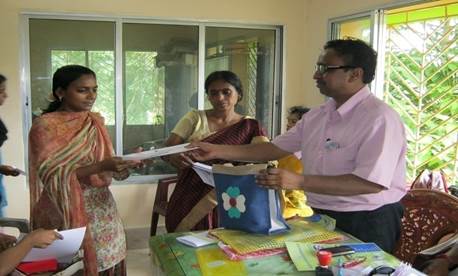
(350, 103)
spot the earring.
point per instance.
(60, 99)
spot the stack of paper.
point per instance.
(197, 239)
(205, 173)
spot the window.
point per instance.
(358, 27)
(251, 54)
(419, 72)
(150, 74)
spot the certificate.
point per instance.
(63, 250)
(157, 152)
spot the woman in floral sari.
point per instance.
(71, 167)
(192, 204)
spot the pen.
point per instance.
(353, 262)
(58, 235)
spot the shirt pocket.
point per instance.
(340, 161)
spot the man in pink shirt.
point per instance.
(353, 149)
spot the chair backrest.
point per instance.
(21, 224)
(429, 215)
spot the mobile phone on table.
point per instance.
(339, 250)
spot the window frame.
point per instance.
(378, 38)
(25, 77)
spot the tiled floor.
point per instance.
(138, 257)
(139, 263)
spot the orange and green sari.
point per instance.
(60, 143)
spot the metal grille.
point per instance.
(421, 83)
(252, 72)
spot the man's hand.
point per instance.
(437, 267)
(205, 151)
(273, 178)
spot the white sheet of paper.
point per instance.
(197, 239)
(20, 171)
(205, 173)
(62, 250)
(157, 152)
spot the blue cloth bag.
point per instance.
(245, 206)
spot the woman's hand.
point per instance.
(42, 238)
(9, 170)
(179, 161)
(273, 178)
(6, 241)
(118, 165)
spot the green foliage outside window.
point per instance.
(421, 83)
(102, 63)
(144, 89)
(144, 97)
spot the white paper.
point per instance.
(62, 250)
(196, 240)
(20, 171)
(205, 173)
(441, 247)
(275, 223)
(157, 152)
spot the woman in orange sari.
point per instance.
(192, 203)
(71, 167)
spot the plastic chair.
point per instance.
(161, 201)
(21, 224)
(429, 215)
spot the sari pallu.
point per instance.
(192, 203)
(59, 143)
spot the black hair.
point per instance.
(2, 78)
(228, 77)
(62, 78)
(298, 110)
(356, 52)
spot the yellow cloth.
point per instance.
(293, 201)
(301, 231)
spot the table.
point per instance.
(170, 257)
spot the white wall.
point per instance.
(306, 27)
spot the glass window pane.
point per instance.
(250, 54)
(160, 84)
(53, 46)
(357, 28)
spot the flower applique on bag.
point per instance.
(245, 206)
(434, 180)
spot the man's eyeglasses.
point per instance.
(323, 68)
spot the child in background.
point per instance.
(294, 201)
